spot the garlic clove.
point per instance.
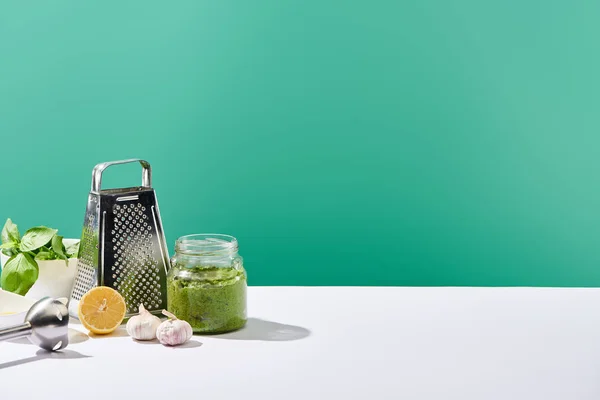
(173, 332)
(143, 326)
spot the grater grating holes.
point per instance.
(85, 278)
(134, 257)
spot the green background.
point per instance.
(424, 142)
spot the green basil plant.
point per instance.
(40, 243)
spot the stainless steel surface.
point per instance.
(46, 325)
(122, 244)
(99, 169)
(15, 332)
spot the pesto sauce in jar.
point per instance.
(212, 299)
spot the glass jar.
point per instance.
(206, 285)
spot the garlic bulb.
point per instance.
(174, 331)
(143, 326)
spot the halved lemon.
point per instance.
(101, 310)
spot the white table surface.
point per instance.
(343, 343)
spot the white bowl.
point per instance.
(13, 308)
(55, 277)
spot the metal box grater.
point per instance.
(123, 244)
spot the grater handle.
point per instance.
(99, 169)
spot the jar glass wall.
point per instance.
(206, 285)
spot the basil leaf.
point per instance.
(4, 236)
(9, 252)
(9, 248)
(58, 247)
(19, 274)
(73, 250)
(43, 255)
(10, 232)
(36, 237)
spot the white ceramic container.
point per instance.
(13, 308)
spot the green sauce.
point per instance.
(211, 299)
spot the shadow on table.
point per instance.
(119, 332)
(259, 329)
(42, 355)
(190, 344)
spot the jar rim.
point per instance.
(206, 243)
